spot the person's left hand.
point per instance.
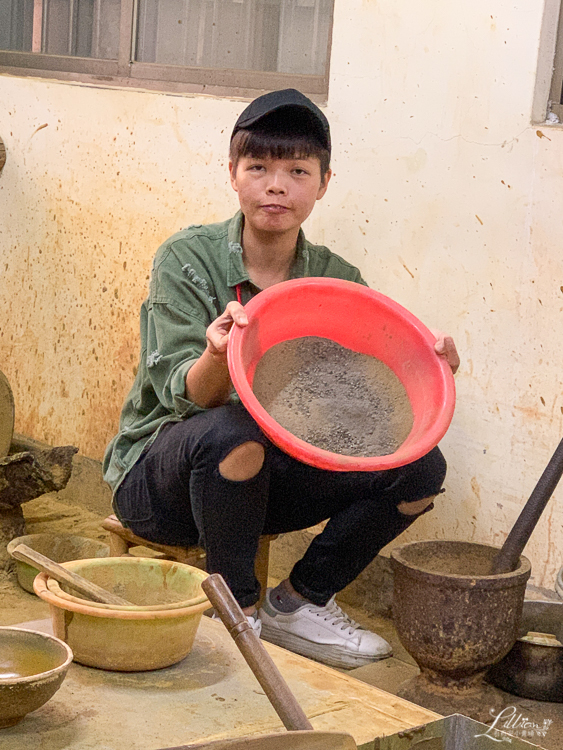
(446, 348)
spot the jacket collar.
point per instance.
(236, 270)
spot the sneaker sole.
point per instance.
(332, 656)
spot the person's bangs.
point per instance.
(263, 145)
(257, 144)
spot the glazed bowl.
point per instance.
(57, 547)
(33, 666)
(150, 584)
(130, 639)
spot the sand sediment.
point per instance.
(336, 399)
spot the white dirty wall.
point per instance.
(444, 194)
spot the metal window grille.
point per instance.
(556, 93)
(249, 44)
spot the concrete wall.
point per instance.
(444, 193)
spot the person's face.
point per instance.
(277, 195)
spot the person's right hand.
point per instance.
(218, 332)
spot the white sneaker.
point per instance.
(253, 620)
(325, 634)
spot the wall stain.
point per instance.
(476, 488)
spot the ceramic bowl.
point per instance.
(57, 547)
(33, 666)
(150, 583)
(121, 638)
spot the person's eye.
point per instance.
(300, 171)
(255, 168)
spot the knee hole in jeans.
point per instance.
(243, 462)
(416, 507)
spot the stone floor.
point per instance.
(538, 722)
(48, 514)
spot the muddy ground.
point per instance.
(47, 514)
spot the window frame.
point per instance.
(124, 72)
(549, 71)
(556, 89)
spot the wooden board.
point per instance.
(211, 695)
(280, 741)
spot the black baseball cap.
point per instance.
(282, 103)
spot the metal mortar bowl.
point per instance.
(533, 668)
(454, 618)
(33, 666)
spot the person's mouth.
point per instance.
(274, 208)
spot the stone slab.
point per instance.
(210, 695)
(387, 674)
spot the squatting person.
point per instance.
(189, 465)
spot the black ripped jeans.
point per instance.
(175, 494)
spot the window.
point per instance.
(190, 45)
(548, 95)
(556, 93)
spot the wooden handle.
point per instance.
(62, 575)
(507, 559)
(258, 659)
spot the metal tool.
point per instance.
(534, 666)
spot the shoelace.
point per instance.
(336, 616)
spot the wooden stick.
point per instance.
(258, 659)
(62, 575)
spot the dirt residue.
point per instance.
(334, 398)
(132, 591)
(451, 558)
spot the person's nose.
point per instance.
(277, 184)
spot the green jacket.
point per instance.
(194, 275)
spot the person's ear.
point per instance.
(324, 184)
(233, 176)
